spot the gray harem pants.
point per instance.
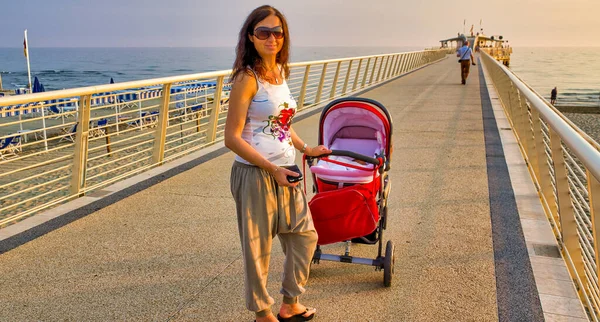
(264, 210)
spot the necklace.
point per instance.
(272, 70)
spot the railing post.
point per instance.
(381, 68)
(516, 101)
(594, 195)
(80, 154)
(384, 69)
(411, 63)
(395, 68)
(513, 107)
(321, 82)
(355, 83)
(402, 63)
(417, 60)
(213, 122)
(335, 80)
(531, 146)
(387, 62)
(347, 77)
(364, 80)
(391, 68)
(160, 135)
(388, 67)
(542, 169)
(373, 70)
(503, 86)
(568, 226)
(524, 121)
(303, 88)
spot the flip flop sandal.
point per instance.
(298, 317)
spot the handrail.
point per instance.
(564, 164)
(83, 139)
(586, 151)
(579, 131)
(23, 99)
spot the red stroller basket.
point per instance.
(351, 184)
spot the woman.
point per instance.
(259, 131)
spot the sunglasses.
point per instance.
(263, 33)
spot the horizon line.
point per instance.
(232, 46)
(302, 46)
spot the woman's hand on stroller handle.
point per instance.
(356, 156)
(317, 151)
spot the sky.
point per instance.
(381, 23)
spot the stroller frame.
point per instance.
(381, 164)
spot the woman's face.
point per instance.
(270, 46)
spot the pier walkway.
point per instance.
(167, 248)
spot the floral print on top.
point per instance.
(279, 126)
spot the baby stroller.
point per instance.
(351, 183)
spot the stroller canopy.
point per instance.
(355, 118)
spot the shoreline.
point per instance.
(578, 109)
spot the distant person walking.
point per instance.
(465, 59)
(553, 95)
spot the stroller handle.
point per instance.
(354, 155)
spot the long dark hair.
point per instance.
(245, 52)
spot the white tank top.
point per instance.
(268, 121)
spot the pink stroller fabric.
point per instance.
(351, 129)
(338, 173)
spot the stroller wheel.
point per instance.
(388, 264)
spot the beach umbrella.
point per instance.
(112, 81)
(38, 87)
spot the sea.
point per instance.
(574, 71)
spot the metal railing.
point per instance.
(564, 164)
(500, 54)
(60, 145)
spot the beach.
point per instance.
(587, 122)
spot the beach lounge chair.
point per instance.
(101, 99)
(61, 111)
(54, 111)
(69, 134)
(198, 111)
(144, 120)
(10, 146)
(150, 119)
(127, 99)
(100, 128)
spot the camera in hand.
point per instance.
(294, 168)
